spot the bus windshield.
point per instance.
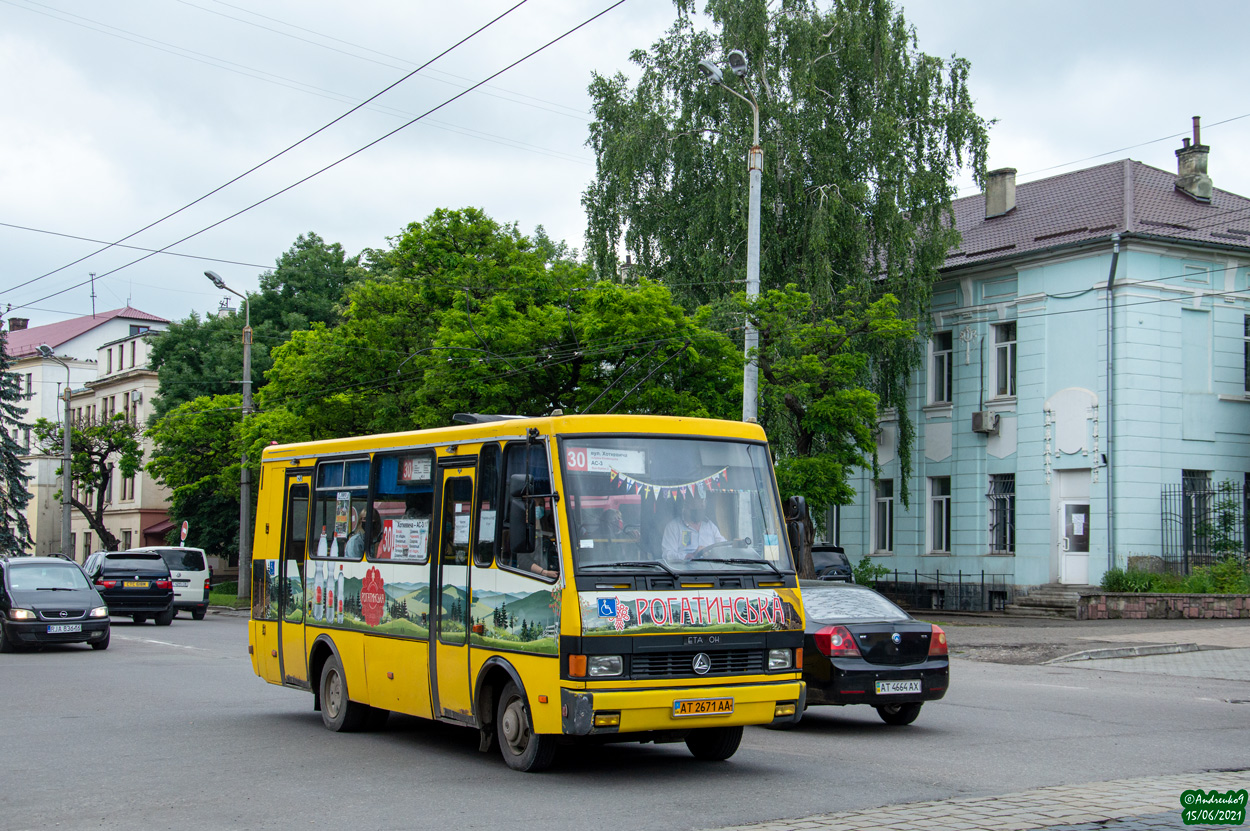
(682, 505)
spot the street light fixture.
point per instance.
(67, 547)
(245, 473)
(755, 166)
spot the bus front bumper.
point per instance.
(595, 712)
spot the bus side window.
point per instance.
(529, 518)
(341, 509)
(487, 505)
(401, 507)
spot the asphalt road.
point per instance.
(169, 728)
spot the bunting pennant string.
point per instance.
(699, 487)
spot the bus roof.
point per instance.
(518, 427)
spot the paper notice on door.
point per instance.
(461, 534)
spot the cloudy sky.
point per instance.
(116, 114)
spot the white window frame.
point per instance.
(941, 383)
(883, 517)
(1005, 335)
(939, 525)
(1245, 337)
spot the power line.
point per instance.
(253, 169)
(576, 113)
(356, 152)
(131, 247)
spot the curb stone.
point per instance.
(1126, 652)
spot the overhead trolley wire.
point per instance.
(356, 152)
(256, 167)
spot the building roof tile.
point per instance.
(25, 342)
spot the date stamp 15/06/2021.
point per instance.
(1200, 807)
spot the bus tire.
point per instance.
(521, 747)
(714, 744)
(338, 712)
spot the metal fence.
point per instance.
(951, 591)
(1203, 523)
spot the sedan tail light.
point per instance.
(836, 642)
(106, 584)
(164, 584)
(937, 643)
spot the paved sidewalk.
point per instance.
(1147, 803)
(1228, 664)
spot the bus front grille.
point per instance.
(681, 664)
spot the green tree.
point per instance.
(194, 451)
(101, 449)
(813, 377)
(465, 314)
(861, 135)
(14, 496)
(204, 356)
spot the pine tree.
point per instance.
(14, 497)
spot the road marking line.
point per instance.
(1056, 686)
(161, 643)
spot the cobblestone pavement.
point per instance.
(1148, 803)
(1229, 664)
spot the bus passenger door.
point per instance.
(293, 657)
(449, 581)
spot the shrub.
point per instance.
(867, 573)
(1226, 577)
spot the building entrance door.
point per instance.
(1071, 527)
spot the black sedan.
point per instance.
(134, 583)
(859, 648)
(832, 563)
(48, 600)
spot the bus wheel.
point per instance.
(522, 748)
(338, 712)
(714, 744)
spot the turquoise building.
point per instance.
(1089, 353)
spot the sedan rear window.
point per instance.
(184, 559)
(25, 578)
(136, 564)
(837, 605)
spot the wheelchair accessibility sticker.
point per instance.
(607, 607)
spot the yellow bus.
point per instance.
(619, 578)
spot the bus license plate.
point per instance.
(703, 707)
(135, 584)
(891, 687)
(62, 628)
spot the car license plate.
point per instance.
(181, 583)
(893, 687)
(135, 584)
(703, 707)
(62, 628)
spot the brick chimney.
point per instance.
(1191, 167)
(17, 324)
(1000, 192)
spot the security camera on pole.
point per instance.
(245, 475)
(755, 166)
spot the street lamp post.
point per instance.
(245, 473)
(755, 168)
(67, 548)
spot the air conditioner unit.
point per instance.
(136, 396)
(985, 422)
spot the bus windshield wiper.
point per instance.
(633, 564)
(738, 560)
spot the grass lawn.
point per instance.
(223, 594)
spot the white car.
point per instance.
(191, 574)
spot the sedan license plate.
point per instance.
(62, 628)
(135, 584)
(894, 687)
(703, 707)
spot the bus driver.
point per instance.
(690, 533)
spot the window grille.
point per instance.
(1002, 496)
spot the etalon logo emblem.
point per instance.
(897, 638)
(702, 664)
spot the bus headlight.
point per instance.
(779, 659)
(604, 666)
